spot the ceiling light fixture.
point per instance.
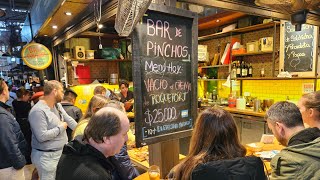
(68, 13)
(100, 26)
(218, 20)
(54, 27)
(45, 35)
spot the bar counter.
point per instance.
(247, 111)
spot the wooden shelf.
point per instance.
(97, 60)
(204, 67)
(252, 54)
(274, 78)
(212, 79)
(214, 36)
(256, 27)
(240, 30)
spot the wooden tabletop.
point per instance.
(265, 147)
(145, 164)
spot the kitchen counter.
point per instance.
(248, 111)
(234, 110)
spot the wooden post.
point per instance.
(165, 155)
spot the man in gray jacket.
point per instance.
(301, 158)
(49, 121)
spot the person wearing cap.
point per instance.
(36, 97)
(67, 103)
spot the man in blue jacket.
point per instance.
(12, 142)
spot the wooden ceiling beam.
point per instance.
(219, 19)
(251, 9)
(96, 34)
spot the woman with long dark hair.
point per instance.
(215, 151)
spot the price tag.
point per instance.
(307, 88)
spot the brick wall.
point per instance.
(98, 70)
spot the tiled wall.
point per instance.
(205, 86)
(278, 90)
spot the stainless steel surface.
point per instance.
(113, 79)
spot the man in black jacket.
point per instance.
(104, 136)
(12, 142)
(67, 103)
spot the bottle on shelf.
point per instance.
(238, 69)
(233, 71)
(250, 70)
(243, 68)
(246, 66)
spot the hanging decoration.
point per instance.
(97, 18)
(129, 14)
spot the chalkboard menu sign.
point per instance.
(298, 48)
(164, 74)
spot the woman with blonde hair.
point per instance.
(309, 106)
(215, 151)
(96, 102)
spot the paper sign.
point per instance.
(307, 88)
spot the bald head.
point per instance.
(106, 122)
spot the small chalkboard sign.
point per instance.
(164, 74)
(298, 49)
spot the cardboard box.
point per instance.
(253, 47)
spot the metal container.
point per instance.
(256, 105)
(266, 104)
(113, 79)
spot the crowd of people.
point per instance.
(95, 145)
(37, 133)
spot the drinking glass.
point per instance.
(154, 172)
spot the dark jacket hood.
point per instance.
(304, 136)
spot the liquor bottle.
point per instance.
(243, 69)
(246, 69)
(238, 69)
(250, 70)
(233, 71)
